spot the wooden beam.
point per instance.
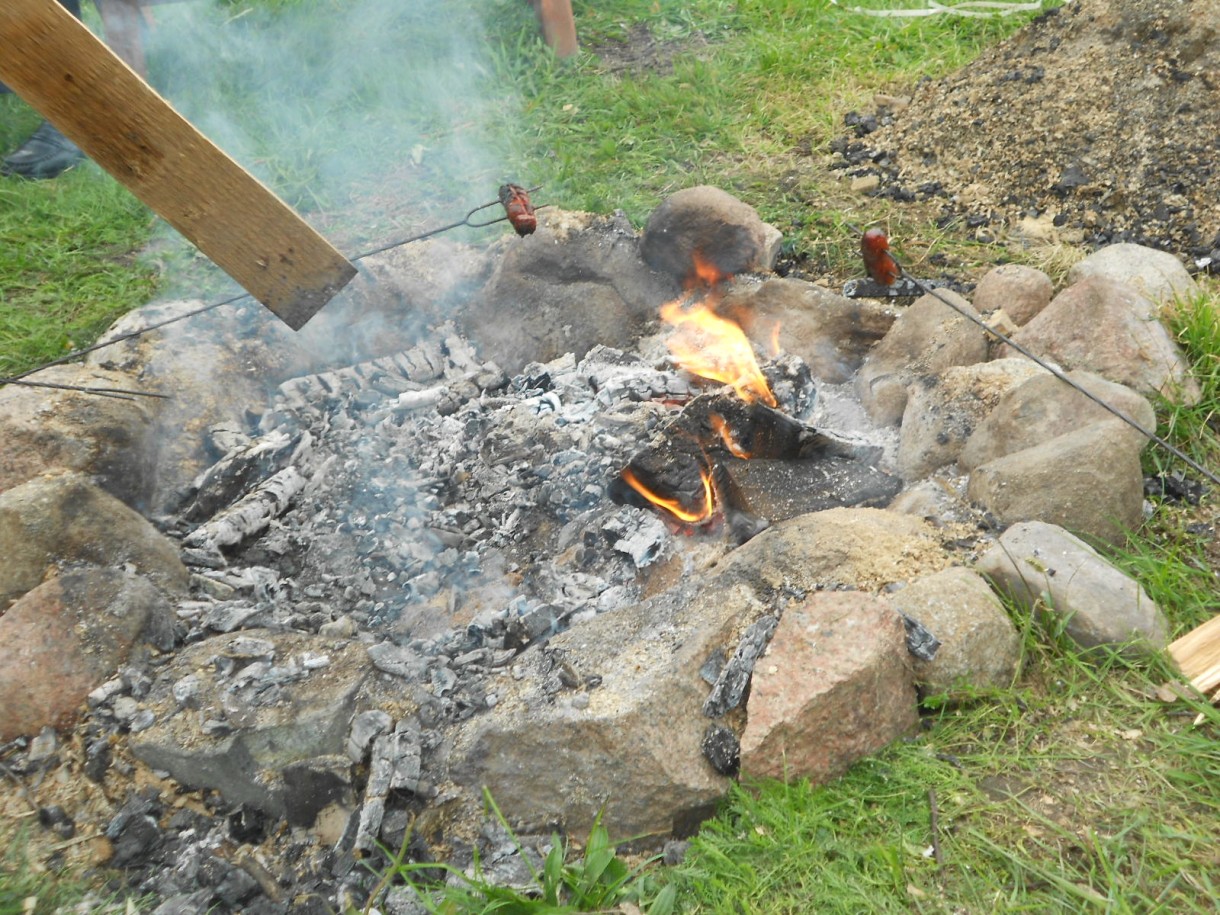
(558, 26)
(57, 65)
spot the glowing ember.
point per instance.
(710, 346)
(673, 506)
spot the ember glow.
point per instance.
(713, 347)
(673, 506)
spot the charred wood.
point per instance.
(251, 514)
(240, 469)
(730, 687)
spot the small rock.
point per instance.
(864, 184)
(1020, 291)
(722, 749)
(979, 648)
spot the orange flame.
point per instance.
(774, 349)
(710, 346)
(721, 428)
(706, 271)
(673, 506)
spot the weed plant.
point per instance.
(592, 879)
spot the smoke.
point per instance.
(375, 116)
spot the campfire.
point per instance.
(390, 556)
(692, 473)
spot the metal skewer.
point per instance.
(123, 394)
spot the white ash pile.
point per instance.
(427, 495)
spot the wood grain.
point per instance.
(57, 65)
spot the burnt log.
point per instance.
(251, 514)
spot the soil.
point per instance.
(1097, 123)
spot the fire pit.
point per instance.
(533, 558)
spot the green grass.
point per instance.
(28, 890)
(67, 264)
(568, 881)
(1076, 790)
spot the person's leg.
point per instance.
(123, 23)
(47, 152)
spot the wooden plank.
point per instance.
(73, 80)
(1197, 655)
(558, 26)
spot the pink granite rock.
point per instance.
(68, 636)
(835, 685)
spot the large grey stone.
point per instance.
(705, 224)
(571, 285)
(1104, 326)
(106, 438)
(943, 410)
(609, 715)
(864, 548)
(215, 365)
(833, 686)
(63, 518)
(1044, 407)
(397, 295)
(1042, 564)
(830, 332)
(1156, 275)
(927, 338)
(253, 719)
(1088, 481)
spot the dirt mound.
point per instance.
(1097, 123)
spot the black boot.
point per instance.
(45, 154)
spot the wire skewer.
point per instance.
(127, 395)
(117, 393)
